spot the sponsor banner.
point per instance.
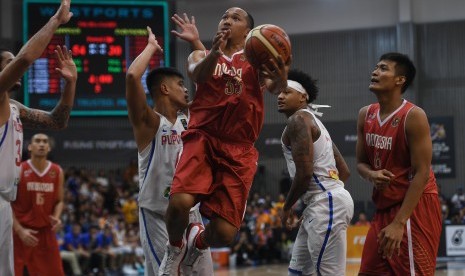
(79, 145)
(442, 137)
(455, 243)
(356, 236)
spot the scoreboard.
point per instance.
(104, 37)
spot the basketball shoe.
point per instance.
(171, 264)
(193, 254)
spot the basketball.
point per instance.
(265, 42)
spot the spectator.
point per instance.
(458, 200)
(362, 220)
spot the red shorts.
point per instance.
(419, 244)
(43, 259)
(220, 173)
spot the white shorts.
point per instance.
(6, 238)
(154, 236)
(320, 247)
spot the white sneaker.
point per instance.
(192, 252)
(170, 266)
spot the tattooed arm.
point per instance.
(299, 135)
(59, 116)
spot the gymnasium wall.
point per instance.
(338, 42)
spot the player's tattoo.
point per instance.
(299, 135)
(39, 119)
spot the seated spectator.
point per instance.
(458, 200)
(362, 220)
(243, 249)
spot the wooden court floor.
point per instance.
(443, 269)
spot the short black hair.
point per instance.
(156, 76)
(404, 67)
(250, 20)
(306, 81)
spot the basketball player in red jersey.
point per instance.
(394, 152)
(14, 116)
(36, 212)
(219, 160)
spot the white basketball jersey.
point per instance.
(157, 163)
(11, 148)
(325, 174)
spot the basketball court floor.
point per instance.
(456, 268)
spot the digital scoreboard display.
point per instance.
(104, 37)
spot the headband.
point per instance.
(299, 88)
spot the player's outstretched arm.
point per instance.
(59, 116)
(274, 75)
(300, 137)
(140, 114)
(189, 31)
(201, 67)
(34, 48)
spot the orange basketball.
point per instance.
(265, 42)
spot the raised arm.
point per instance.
(274, 75)
(141, 116)
(300, 137)
(341, 164)
(59, 116)
(34, 48)
(201, 67)
(189, 31)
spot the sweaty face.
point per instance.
(289, 101)
(177, 91)
(6, 58)
(235, 20)
(384, 78)
(40, 146)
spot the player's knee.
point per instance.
(180, 203)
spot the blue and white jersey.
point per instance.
(325, 174)
(11, 148)
(157, 163)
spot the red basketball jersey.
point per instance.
(37, 195)
(387, 148)
(230, 104)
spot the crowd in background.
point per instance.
(101, 230)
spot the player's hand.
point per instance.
(152, 40)
(287, 219)
(381, 179)
(63, 15)
(56, 223)
(390, 238)
(189, 31)
(28, 238)
(276, 71)
(66, 66)
(219, 42)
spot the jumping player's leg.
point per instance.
(204, 266)
(177, 216)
